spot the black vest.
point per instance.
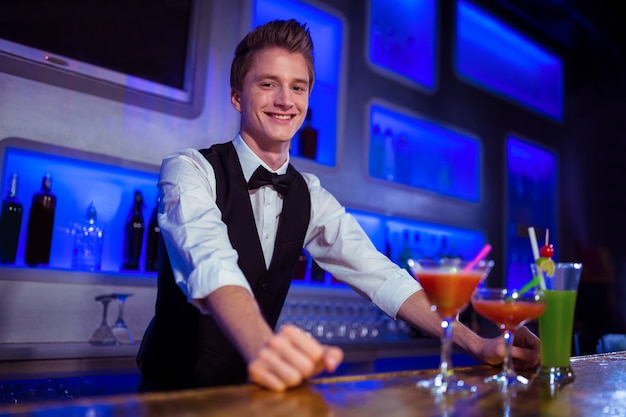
(183, 348)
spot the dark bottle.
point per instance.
(406, 253)
(10, 223)
(40, 225)
(133, 234)
(317, 273)
(152, 248)
(307, 138)
(299, 271)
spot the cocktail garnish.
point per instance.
(546, 265)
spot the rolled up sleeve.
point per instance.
(202, 257)
(340, 246)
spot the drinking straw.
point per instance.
(539, 278)
(483, 252)
(533, 242)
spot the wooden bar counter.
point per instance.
(599, 390)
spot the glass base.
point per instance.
(122, 335)
(510, 381)
(103, 336)
(556, 374)
(450, 385)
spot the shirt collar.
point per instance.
(250, 161)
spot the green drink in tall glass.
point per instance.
(557, 322)
(556, 347)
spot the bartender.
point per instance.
(234, 219)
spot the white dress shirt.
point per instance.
(204, 260)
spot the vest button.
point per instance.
(265, 285)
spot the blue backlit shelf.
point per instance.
(78, 178)
(402, 41)
(399, 237)
(417, 152)
(531, 197)
(81, 177)
(494, 57)
(327, 31)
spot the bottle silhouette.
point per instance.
(389, 168)
(307, 138)
(10, 223)
(152, 248)
(133, 234)
(406, 253)
(377, 153)
(299, 271)
(88, 239)
(317, 273)
(40, 225)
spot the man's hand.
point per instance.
(525, 351)
(290, 357)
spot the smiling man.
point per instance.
(234, 219)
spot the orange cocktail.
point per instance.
(509, 310)
(448, 284)
(449, 291)
(509, 315)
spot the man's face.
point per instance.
(274, 98)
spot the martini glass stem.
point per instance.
(445, 366)
(507, 368)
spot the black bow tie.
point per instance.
(262, 176)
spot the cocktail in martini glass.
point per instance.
(510, 310)
(449, 284)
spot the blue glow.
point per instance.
(327, 34)
(391, 236)
(494, 57)
(76, 183)
(425, 239)
(423, 154)
(531, 201)
(402, 38)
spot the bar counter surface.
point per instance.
(599, 390)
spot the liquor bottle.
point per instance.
(317, 273)
(299, 271)
(307, 138)
(10, 223)
(406, 253)
(88, 239)
(377, 153)
(40, 225)
(133, 234)
(152, 248)
(390, 155)
(403, 160)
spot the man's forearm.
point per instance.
(417, 311)
(237, 313)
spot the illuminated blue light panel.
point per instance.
(423, 154)
(76, 183)
(494, 57)
(428, 240)
(327, 33)
(531, 195)
(402, 38)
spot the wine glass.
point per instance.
(103, 334)
(120, 330)
(510, 310)
(449, 284)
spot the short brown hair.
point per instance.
(287, 34)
